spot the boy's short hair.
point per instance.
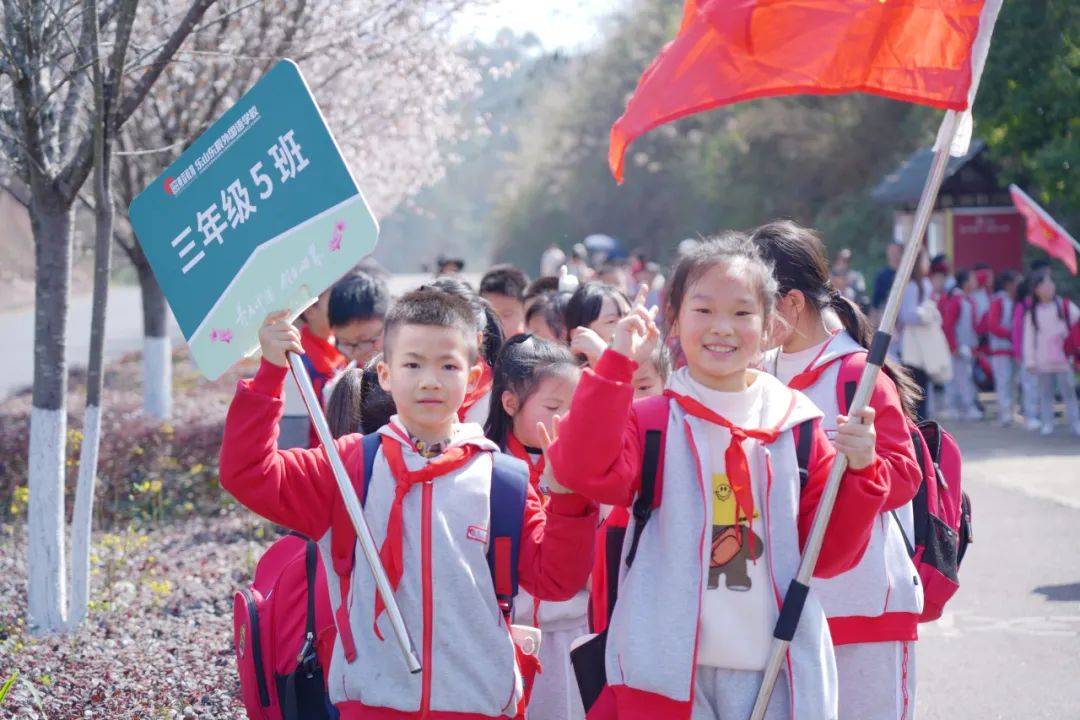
(357, 296)
(541, 285)
(504, 280)
(431, 308)
(551, 306)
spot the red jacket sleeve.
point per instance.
(294, 488)
(556, 553)
(897, 466)
(598, 453)
(995, 321)
(858, 503)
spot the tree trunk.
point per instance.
(157, 346)
(83, 514)
(50, 218)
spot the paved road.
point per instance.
(123, 334)
(1009, 644)
(123, 331)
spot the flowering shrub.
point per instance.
(158, 639)
(147, 471)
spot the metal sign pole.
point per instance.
(356, 513)
(800, 586)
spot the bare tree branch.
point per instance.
(76, 171)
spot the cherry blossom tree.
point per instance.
(73, 73)
(385, 72)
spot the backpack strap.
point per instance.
(652, 417)
(509, 492)
(370, 443)
(307, 660)
(307, 653)
(643, 505)
(343, 537)
(805, 430)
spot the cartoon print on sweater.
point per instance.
(734, 543)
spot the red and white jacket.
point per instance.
(572, 614)
(999, 324)
(446, 595)
(879, 599)
(653, 633)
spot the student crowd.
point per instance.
(722, 384)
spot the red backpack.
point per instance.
(940, 508)
(279, 623)
(1072, 336)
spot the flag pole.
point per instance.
(791, 610)
(356, 513)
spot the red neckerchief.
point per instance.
(518, 450)
(483, 387)
(735, 463)
(810, 374)
(322, 354)
(391, 550)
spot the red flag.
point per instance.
(1043, 232)
(728, 51)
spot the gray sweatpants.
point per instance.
(1029, 391)
(960, 391)
(721, 694)
(1066, 386)
(876, 680)
(1005, 384)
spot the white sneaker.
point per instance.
(1032, 424)
(973, 414)
(1047, 429)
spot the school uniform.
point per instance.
(555, 694)
(873, 609)
(691, 631)
(433, 541)
(1029, 383)
(1045, 331)
(959, 324)
(999, 330)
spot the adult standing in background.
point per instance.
(883, 281)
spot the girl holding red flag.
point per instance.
(701, 589)
(821, 344)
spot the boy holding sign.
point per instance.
(433, 538)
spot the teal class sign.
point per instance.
(260, 213)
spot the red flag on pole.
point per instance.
(1043, 232)
(728, 51)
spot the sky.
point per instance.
(560, 24)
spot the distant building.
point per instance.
(974, 219)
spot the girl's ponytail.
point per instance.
(857, 325)
(799, 263)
